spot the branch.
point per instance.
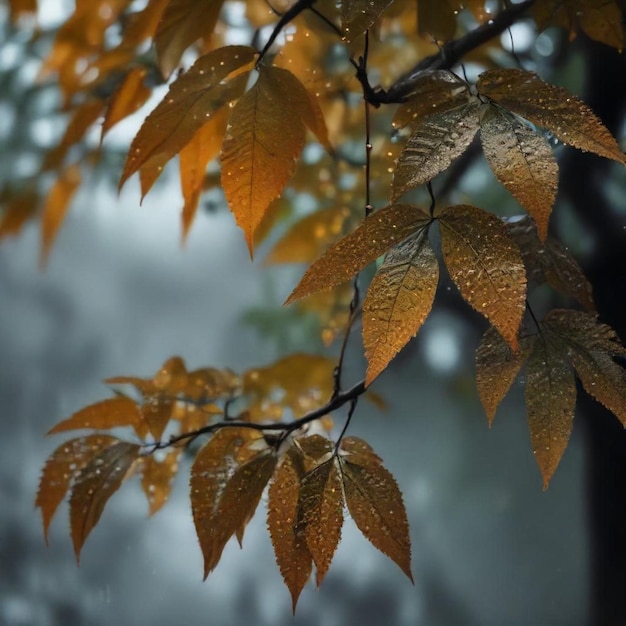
(449, 55)
(333, 404)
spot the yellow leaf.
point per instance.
(372, 238)
(157, 477)
(398, 301)
(56, 207)
(193, 160)
(433, 93)
(486, 265)
(375, 503)
(591, 348)
(550, 401)
(357, 16)
(107, 414)
(434, 144)
(554, 108)
(183, 22)
(213, 81)
(320, 511)
(523, 162)
(265, 137)
(94, 485)
(128, 98)
(292, 555)
(62, 466)
(496, 368)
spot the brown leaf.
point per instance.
(183, 22)
(433, 93)
(591, 347)
(18, 8)
(157, 477)
(398, 301)
(554, 108)
(523, 162)
(601, 21)
(357, 16)
(434, 144)
(486, 265)
(157, 411)
(62, 466)
(550, 401)
(94, 485)
(212, 469)
(55, 208)
(213, 81)
(19, 208)
(437, 19)
(171, 377)
(265, 136)
(496, 368)
(372, 238)
(119, 411)
(292, 555)
(375, 503)
(209, 383)
(320, 512)
(128, 98)
(193, 160)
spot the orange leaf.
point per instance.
(265, 137)
(372, 238)
(496, 368)
(375, 503)
(357, 16)
(62, 466)
(193, 160)
(18, 8)
(56, 207)
(523, 162)
(182, 23)
(320, 511)
(213, 81)
(94, 485)
(18, 210)
(550, 401)
(486, 265)
(554, 108)
(171, 377)
(434, 144)
(157, 477)
(398, 301)
(292, 555)
(437, 19)
(106, 414)
(157, 411)
(128, 98)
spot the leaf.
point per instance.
(157, 411)
(264, 138)
(398, 300)
(213, 81)
(309, 237)
(550, 401)
(601, 21)
(372, 238)
(357, 16)
(119, 411)
(375, 503)
(437, 19)
(18, 210)
(292, 555)
(434, 144)
(94, 485)
(193, 160)
(213, 467)
(128, 98)
(320, 511)
(523, 162)
(554, 108)
(497, 367)
(61, 467)
(55, 208)
(434, 93)
(486, 265)
(591, 347)
(183, 22)
(157, 477)
(550, 262)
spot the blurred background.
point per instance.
(120, 295)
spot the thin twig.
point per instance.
(353, 404)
